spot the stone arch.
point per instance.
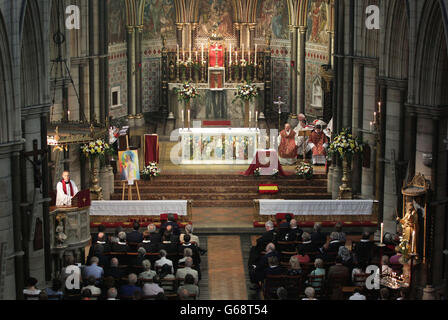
(396, 41)
(32, 66)
(431, 62)
(6, 103)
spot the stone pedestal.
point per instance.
(429, 293)
(105, 182)
(139, 120)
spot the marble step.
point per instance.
(222, 196)
(229, 183)
(233, 177)
(223, 189)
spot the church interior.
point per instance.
(223, 149)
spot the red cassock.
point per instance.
(319, 139)
(288, 147)
(212, 56)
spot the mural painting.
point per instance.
(273, 13)
(117, 21)
(159, 19)
(215, 16)
(317, 22)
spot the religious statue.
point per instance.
(409, 225)
(287, 146)
(172, 74)
(60, 235)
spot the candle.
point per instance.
(202, 53)
(250, 117)
(236, 57)
(248, 56)
(196, 53)
(256, 119)
(183, 53)
(371, 125)
(188, 118)
(183, 119)
(230, 54)
(413, 241)
(189, 48)
(256, 48)
(379, 107)
(382, 232)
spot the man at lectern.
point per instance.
(66, 190)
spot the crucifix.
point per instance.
(216, 54)
(36, 162)
(279, 104)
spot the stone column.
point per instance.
(238, 34)
(294, 70)
(302, 70)
(82, 103)
(131, 75)
(91, 62)
(179, 28)
(139, 120)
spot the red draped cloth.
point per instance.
(266, 156)
(151, 148)
(212, 56)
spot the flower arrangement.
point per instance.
(275, 173)
(403, 249)
(95, 148)
(187, 92)
(246, 92)
(151, 170)
(345, 144)
(305, 170)
(243, 62)
(257, 172)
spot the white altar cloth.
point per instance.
(316, 207)
(138, 208)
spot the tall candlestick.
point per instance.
(250, 117)
(379, 107)
(177, 53)
(242, 54)
(188, 112)
(196, 55)
(371, 125)
(248, 56)
(256, 119)
(236, 57)
(382, 232)
(183, 53)
(190, 49)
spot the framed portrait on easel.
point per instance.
(129, 166)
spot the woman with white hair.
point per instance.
(295, 268)
(318, 272)
(148, 273)
(309, 293)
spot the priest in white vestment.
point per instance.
(302, 141)
(65, 190)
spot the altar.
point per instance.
(219, 145)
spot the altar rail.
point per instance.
(298, 208)
(123, 213)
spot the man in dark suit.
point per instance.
(295, 233)
(274, 267)
(187, 244)
(171, 222)
(154, 236)
(257, 273)
(100, 241)
(113, 270)
(135, 236)
(307, 245)
(284, 228)
(167, 244)
(101, 229)
(364, 249)
(267, 237)
(331, 249)
(148, 244)
(121, 245)
(338, 276)
(318, 238)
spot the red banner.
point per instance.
(216, 50)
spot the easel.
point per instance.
(129, 185)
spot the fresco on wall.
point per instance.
(159, 19)
(273, 15)
(317, 22)
(117, 21)
(215, 16)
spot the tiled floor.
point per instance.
(223, 217)
(226, 276)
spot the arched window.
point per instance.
(317, 100)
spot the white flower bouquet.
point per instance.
(305, 170)
(246, 92)
(257, 172)
(187, 92)
(151, 170)
(275, 172)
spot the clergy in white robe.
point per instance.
(65, 190)
(302, 141)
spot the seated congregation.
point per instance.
(287, 263)
(153, 265)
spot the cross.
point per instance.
(216, 54)
(279, 103)
(36, 163)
